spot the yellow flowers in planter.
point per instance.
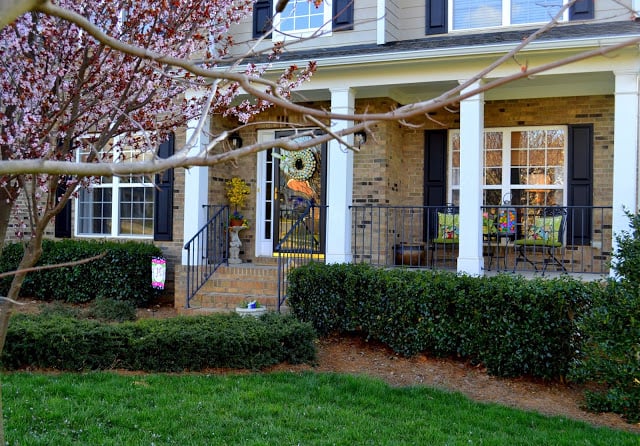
(237, 192)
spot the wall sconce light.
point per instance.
(359, 138)
(235, 140)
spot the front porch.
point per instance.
(415, 237)
(527, 240)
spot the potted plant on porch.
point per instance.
(237, 192)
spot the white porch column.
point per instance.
(339, 185)
(196, 188)
(625, 151)
(470, 259)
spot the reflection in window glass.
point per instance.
(121, 206)
(469, 14)
(533, 11)
(301, 15)
(525, 164)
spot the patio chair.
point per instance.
(544, 238)
(447, 237)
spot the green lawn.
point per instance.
(267, 409)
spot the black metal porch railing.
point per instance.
(207, 250)
(301, 244)
(427, 237)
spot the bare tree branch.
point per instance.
(53, 266)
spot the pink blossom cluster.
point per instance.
(63, 93)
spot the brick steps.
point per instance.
(230, 286)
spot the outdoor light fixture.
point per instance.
(235, 140)
(359, 138)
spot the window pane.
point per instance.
(493, 158)
(555, 138)
(556, 175)
(94, 211)
(474, 14)
(286, 24)
(493, 140)
(136, 211)
(455, 158)
(492, 197)
(536, 158)
(493, 176)
(533, 11)
(455, 176)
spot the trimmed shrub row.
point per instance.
(157, 345)
(123, 274)
(513, 326)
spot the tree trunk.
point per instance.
(32, 253)
(6, 205)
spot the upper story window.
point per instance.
(470, 14)
(304, 17)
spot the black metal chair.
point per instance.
(448, 236)
(543, 240)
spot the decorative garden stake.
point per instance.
(158, 272)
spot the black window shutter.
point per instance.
(163, 199)
(342, 15)
(62, 223)
(580, 183)
(262, 17)
(436, 17)
(435, 177)
(582, 10)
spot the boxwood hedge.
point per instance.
(513, 326)
(124, 273)
(185, 343)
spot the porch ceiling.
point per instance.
(558, 85)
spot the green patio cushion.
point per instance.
(446, 241)
(538, 242)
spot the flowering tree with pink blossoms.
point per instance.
(65, 95)
(69, 98)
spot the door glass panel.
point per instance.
(300, 188)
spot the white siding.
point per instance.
(612, 10)
(393, 21)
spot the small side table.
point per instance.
(235, 244)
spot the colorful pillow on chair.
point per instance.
(507, 221)
(448, 227)
(545, 230)
(488, 224)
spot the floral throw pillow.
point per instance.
(545, 229)
(448, 226)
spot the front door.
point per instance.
(299, 198)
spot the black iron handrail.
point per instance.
(207, 250)
(299, 246)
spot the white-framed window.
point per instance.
(526, 165)
(472, 14)
(117, 206)
(302, 18)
